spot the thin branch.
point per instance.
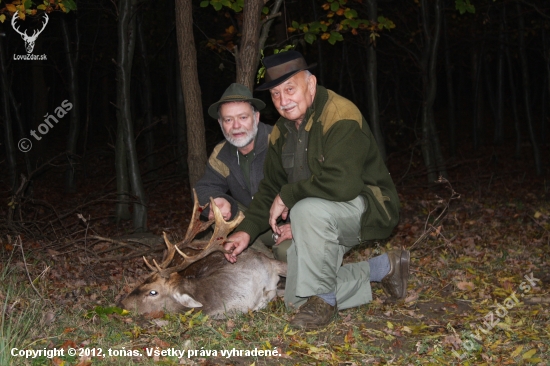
(434, 226)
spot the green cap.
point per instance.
(235, 93)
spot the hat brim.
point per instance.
(213, 109)
(281, 79)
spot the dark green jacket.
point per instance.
(344, 162)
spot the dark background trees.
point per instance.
(447, 84)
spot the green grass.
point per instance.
(21, 312)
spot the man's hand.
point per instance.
(286, 233)
(278, 209)
(224, 206)
(237, 243)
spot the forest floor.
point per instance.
(478, 291)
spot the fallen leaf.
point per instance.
(68, 344)
(529, 353)
(465, 286)
(160, 343)
(516, 352)
(412, 297)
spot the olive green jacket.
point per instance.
(344, 162)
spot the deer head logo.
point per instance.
(29, 40)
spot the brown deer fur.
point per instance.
(218, 288)
(207, 280)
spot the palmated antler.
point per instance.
(215, 244)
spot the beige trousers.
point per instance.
(323, 231)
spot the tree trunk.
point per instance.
(320, 58)
(146, 91)
(397, 94)
(350, 75)
(513, 96)
(20, 125)
(121, 162)
(88, 100)
(372, 84)
(267, 23)
(39, 102)
(74, 115)
(433, 158)
(546, 48)
(248, 55)
(122, 211)
(8, 130)
(477, 64)
(513, 102)
(181, 126)
(526, 97)
(498, 138)
(451, 108)
(127, 38)
(487, 71)
(436, 146)
(196, 156)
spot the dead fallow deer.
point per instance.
(207, 281)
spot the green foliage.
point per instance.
(464, 6)
(103, 312)
(29, 7)
(338, 20)
(236, 5)
(310, 37)
(335, 37)
(385, 23)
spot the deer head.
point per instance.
(165, 288)
(29, 40)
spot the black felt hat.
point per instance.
(235, 93)
(282, 66)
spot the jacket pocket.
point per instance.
(288, 161)
(380, 198)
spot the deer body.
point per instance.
(207, 281)
(223, 288)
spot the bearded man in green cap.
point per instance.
(235, 167)
(324, 171)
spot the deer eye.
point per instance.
(153, 293)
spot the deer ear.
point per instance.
(187, 301)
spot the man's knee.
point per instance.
(312, 210)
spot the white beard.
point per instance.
(245, 140)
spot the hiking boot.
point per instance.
(315, 313)
(395, 282)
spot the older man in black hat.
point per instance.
(235, 167)
(324, 170)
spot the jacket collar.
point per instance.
(314, 112)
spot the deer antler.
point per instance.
(13, 19)
(219, 237)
